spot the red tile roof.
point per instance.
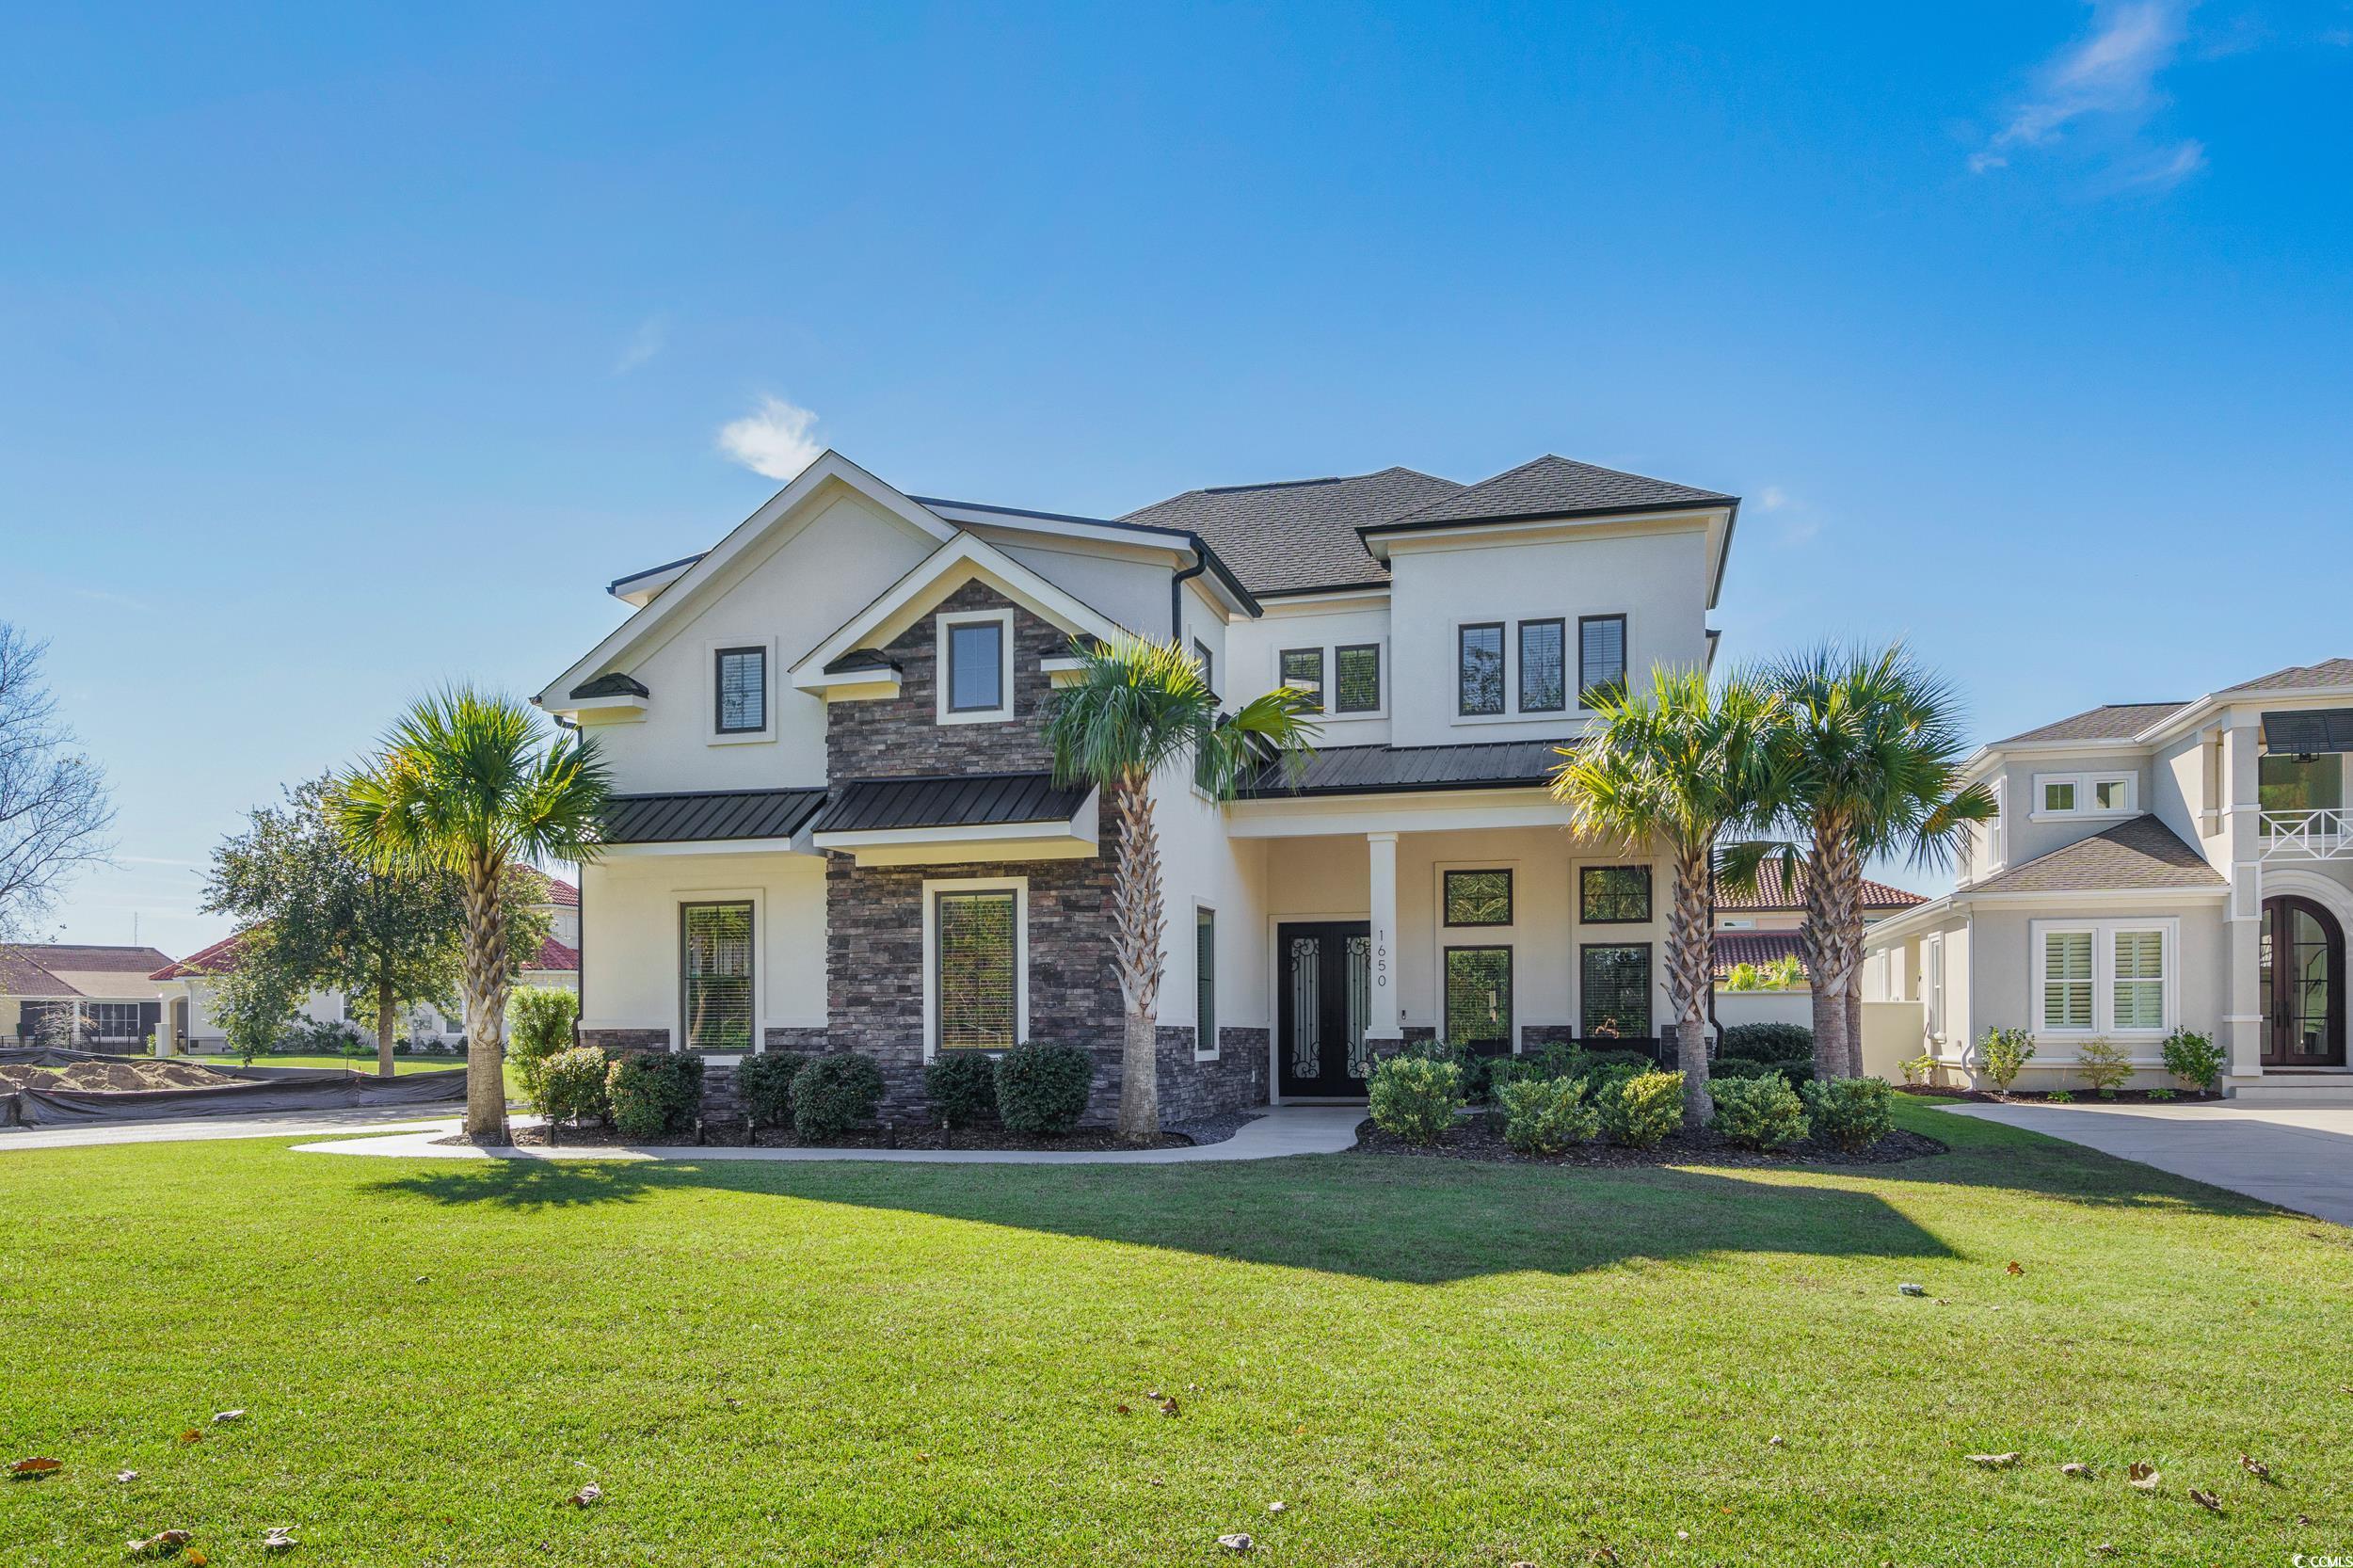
(554, 890)
(19, 976)
(1774, 893)
(1755, 947)
(220, 958)
(555, 955)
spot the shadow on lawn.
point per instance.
(1412, 1222)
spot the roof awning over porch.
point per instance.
(1389, 770)
(724, 819)
(2309, 731)
(947, 818)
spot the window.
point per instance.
(742, 689)
(1613, 895)
(716, 962)
(976, 666)
(1204, 983)
(1544, 666)
(2138, 980)
(2291, 783)
(2111, 794)
(1479, 651)
(111, 1020)
(2105, 976)
(1358, 667)
(1600, 658)
(2067, 979)
(1932, 985)
(1478, 998)
(2063, 794)
(1208, 667)
(2059, 796)
(1302, 671)
(1614, 993)
(978, 970)
(1478, 898)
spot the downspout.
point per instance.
(1177, 591)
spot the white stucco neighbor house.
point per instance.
(838, 827)
(186, 1021)
(1761, 927)
(2156, 865)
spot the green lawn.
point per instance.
(1430, 1361)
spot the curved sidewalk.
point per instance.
(1282, 1132)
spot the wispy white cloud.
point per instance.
(1794, 520)
(101, 595)
(652, 337)
(777, 438)
(2105, 87)
(1773, 498)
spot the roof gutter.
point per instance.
(1176, 593)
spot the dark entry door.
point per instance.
(2303, 984)
(1326, 1002)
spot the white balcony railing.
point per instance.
(2321, 835)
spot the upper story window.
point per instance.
(1478, 660)
(976, 666)
(2085, 794)
(1544, 666)
(1209, 667)
(1600, 658)
(1613, 895)
(1358, 667)
(1343, 679)
(1478, 898)
(1302, 671)
(740, 684)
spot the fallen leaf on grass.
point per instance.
(1994, 1462)
(1772, 1442)
(2016, 1269)
(27, 1469)
(584, 1497)
(922, 1458)
(1168, 1406)
(2254, 1466)
(194, 1435)
(1907, 1288)
(124, 1477)
(1236, 1543)
(1603, 1555)
(196, 1559)
(279, 1539)
(1278, 1508)
(2144, 1477)
(2206, 1501)
(2105, 1548)
(161, 1544)
(1120, 1409)
(223, 1416)
(2077, 1468)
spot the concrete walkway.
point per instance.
(186, 1129)
(2297, 1157)
(1285, 1131)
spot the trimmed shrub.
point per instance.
(2105, 1065)
(1767, 1042)
(1641, 1109)
(1916, 1069)
(655, 1094)
(962, 1087)
(1474, 1074)
(1759, 1112)
(1794, 1074)
(2003, 1054)
(1546, 1116)
(1042, 1089)
(1851, 1112)
(571, 1086)
(538, 1024)
(833, 1094)
(2194, 1058)
(1414, 1097)
(763, 1082)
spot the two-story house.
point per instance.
(837, 822)
(2156, 865)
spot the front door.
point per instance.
(2303, 984)
(1326, 1001)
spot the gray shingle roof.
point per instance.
(2117, 721)
(1555, 487)
(2142, 852)
(1299, 535)
(1379, 770)
(702, 815)
(959, 800)
(2329, 672)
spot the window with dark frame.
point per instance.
(1357, 676)
(977, 968)
(1614, 994)
(1478, 998)
(1477, 898)
(715, 976)
(1544, 666)
(1613, 895)
(1478, 658)
(976, 666)
(1302, 671)
(741, 686)
(1600, 658)
(1208, 666)
(1204, 981)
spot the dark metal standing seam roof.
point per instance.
(2308, 733)
(961, 800)
(1379, 770)
(709, 814)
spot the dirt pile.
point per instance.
(121, 1075)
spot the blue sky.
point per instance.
(340, 354)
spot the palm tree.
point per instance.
(1137, 707)
(1673, 768)
(1868, 750)
(469, 784)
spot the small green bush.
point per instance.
(2105, 1067)
(1474, 1074)
(2161, 1092)
(1767, 1042)
(1414, 1099)
(571, 1086)
(2195, 1059)
(1042, 1089)
(763, 1082)
(1852, 1112)
(962, 1087)
(538, 1024)
(833, 1094)
(1759, 1112)
(2003, 1054)
(655, 1094)
(1916, 1069)
(2060, 1097)
(1739, 1067)
(1640, 1110)
(1546, 1116)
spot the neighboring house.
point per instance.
(188, 985)
(103, 992)
(1761, 928)
(838, 826)
(2156, 865)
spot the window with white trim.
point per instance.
(2067, 980)
(976, 964)
(2086, 794)
(975, 667)
(740, 691)
(1932, 985)
(715, 976)
(2106, 977)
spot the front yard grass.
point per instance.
(1426, 1361)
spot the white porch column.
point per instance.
(1383, 1024)
(2242, 839)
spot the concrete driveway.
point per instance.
(2297, 1157)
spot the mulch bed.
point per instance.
(1085, 1140)
(2078, 1096)
(1480, 1137)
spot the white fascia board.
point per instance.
(853, 685)
(830, 469)
(962, 558)
(1325, 601)
(1985, 758)
(1435, 811)
(798, 845)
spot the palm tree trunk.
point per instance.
(485, 1002)
(1689, 967)
(1138, 927)
(1854, 1004)
(384, 1025)
(1832, 888)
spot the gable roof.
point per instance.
(21, 976)
(1297, 535)
(2142, 852)
(2115, 721)
(1554, 486)
(220, 958)
(555, 955)
(2329, 672)
(1777, 890)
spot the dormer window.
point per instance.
(740, 684)
(976, 668)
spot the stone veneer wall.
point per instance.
(900, 737)
(625, 1039)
